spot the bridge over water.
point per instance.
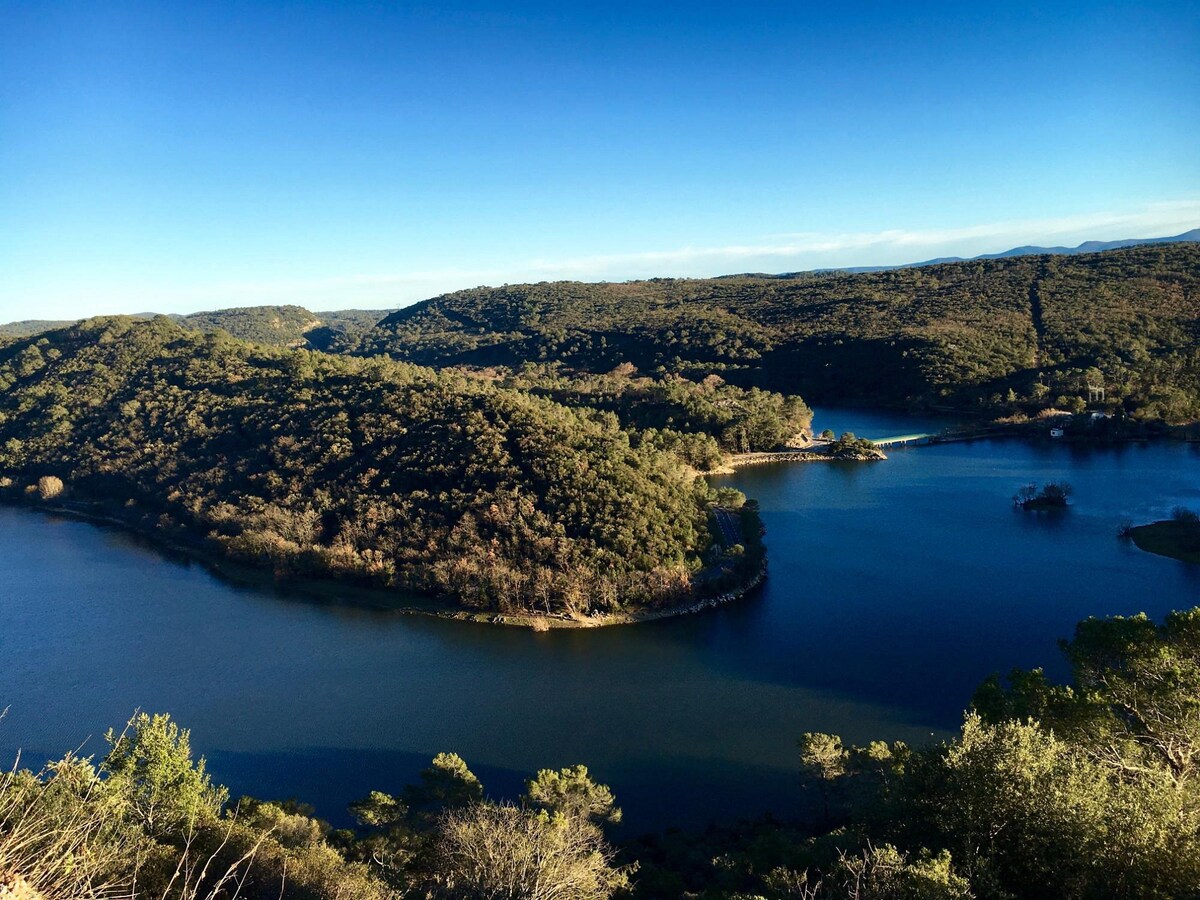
(899, 440)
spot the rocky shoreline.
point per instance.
(743, 460)
(603, 620)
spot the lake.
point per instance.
(895, 588)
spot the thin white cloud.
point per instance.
(818, 249)
(778, 253)
(1158, 220)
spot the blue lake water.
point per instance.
(894, 588)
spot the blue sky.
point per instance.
(181, 156)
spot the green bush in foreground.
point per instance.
(1082, 790)
(147, 822)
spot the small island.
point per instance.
(1052, 495)
(851, 447)
(1177, 537)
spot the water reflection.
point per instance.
(894, 589)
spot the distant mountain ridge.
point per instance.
(296, 326)
(278, 326)
(1028, 250)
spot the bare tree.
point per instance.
(494, 851)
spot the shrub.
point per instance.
(49, 487)
(1184, 516)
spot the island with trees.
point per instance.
(1051, 495)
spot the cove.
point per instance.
(894, 588)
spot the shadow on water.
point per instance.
(894, 589)
(255, 582)
(696, 792)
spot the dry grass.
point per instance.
(59, 841)
(52, 846)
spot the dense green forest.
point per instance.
(275, 326)
(1083, 790)
(387, 473)
(699, 421)
(996, 336)
(28, 327)
(286, 326)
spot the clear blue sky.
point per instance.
(180, 156)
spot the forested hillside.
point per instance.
(998, 336)
(28, 327)
(275, 326)
(286, 326)
(700, 421)
(278, 326)
(369, 469)
(988, 335)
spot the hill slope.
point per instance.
(28, 327)
(960, 335)
(391, 474)
(274, 326)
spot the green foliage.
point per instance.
(150, 824)
(312, 464)
(982, 334)
(447, 784)
(446, 837)
(510, 853)
(739, 420)
(1086, 790)
(571, 792)
(1135, 697)
(150, 775)
(730, 497)
(281, 326)
(885, 873)
(30, 327)
(286, 326)
(1081, 790)
(849, 446)
(278, 326)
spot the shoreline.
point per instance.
(743, 460)
(332, 591)
(323, 590)
(1168, 539)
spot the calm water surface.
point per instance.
(895, 588)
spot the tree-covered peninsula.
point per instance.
(366, 469)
